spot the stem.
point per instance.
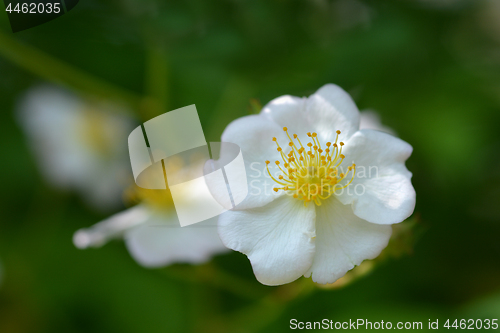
(260, 314)
(157, 74)
(58, 72)
(215, 277)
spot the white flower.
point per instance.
(154, 238)
(78, 145)
(153, 234)
(328, 210)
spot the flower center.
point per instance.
(94, 132)
(156, 199)
(160, 200)
(311, 173)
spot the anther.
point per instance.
(300, 160)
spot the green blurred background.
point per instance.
(430, 68)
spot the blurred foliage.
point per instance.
(430, 68)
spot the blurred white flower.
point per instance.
(323, 217)
(155, 238)
(351, 13)
(78, 145)
(153, 234)
(488, 17)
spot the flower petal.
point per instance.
(288, 111)
(253, 134)
(382, 191)
(343, 241)
(324, 112)
(112, 227)
(277, 238)
(161, 241)
(331, 109)
(78, 146)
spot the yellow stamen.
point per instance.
(312, 175)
